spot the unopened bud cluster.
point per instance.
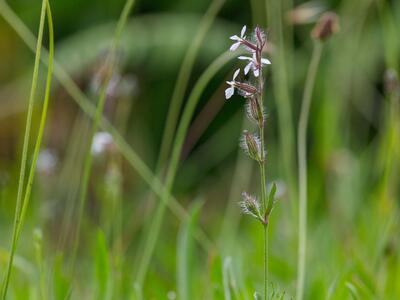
(252, 143)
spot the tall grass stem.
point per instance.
(302, 160)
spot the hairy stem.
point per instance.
(264, 199)
(302, 176)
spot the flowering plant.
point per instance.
(253, 143)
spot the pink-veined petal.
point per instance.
(229, 92)
(265, 61)
(234, 38)
(243, 31)
(234, 46)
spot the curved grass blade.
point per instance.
(22, 203)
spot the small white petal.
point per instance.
(234, 46)
(235, 74)
(247, 68)
(229, 92)
(265, 61)
(243, 31)
(244, 58)
(235, 38)
(256, 72)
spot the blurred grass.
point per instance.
(353, 169)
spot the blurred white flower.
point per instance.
(101, 142)
(171, 295)
(46, 162)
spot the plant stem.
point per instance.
(265, 205)
(263, 182)
(19, 202)
(302, 158)
(266, 262)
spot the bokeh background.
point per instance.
(353, 152)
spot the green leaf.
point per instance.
(271, 200)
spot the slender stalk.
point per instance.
(263, 185)
(302, 176)
(21, 182)
(97, 117)
(266, 253)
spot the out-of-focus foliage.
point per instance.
(353, 158)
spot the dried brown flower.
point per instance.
(327, 25)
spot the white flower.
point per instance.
(46, 162)
(238, 39)
(101, 142)
(253, 64)
(231, 89)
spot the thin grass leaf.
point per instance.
(184, 255)
(225, 277)
(353, 290)
(102, 267)
(22, 203)
(229, 281)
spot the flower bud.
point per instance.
(260, 38)
(246, 89)
(255, 111)
(252, 146)
(250, 205)
(327, 25)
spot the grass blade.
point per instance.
(184, 252)
(22, 203)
